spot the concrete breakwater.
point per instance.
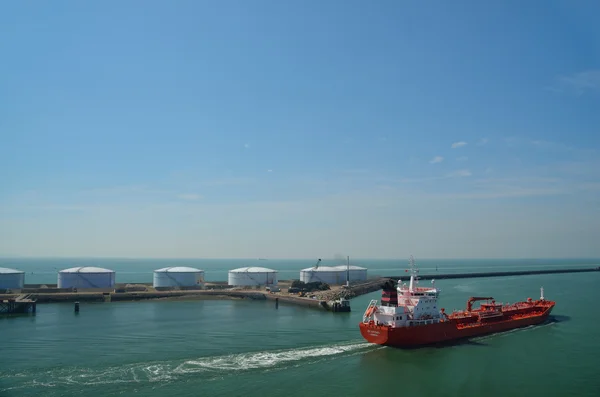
(140, 295)
(443, 276)
(354, 290)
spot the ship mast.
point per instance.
(348, 272)
(413, 274)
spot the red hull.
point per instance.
(446, 331)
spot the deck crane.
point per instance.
(475, 298)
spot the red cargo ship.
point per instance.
(408, 316)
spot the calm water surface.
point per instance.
(225, 348)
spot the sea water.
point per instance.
(250, 348)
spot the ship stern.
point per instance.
(374, 333)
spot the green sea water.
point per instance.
(250, 348)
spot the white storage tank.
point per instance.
(178, 276)
(245, 276)
(323, 274)
(86, 277)
(11, 278)
(357, 273)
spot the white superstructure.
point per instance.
(11, 278)
(252, 276)
(86, 277)
(416, 305)
(178, 276)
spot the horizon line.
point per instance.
(291, 259)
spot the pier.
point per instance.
(20, 304)
(444, 276)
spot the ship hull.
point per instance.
(443, 332)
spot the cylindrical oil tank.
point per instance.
(252, 276)
(323, 274)
(86, 277)
(178, 276)
(357, 273)
(11, 278)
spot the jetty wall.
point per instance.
(443, 276)
(134, 296)
(295, 300)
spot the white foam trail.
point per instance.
(512, 331)
(246, 361)
(163, 372)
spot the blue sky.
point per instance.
(300, 129)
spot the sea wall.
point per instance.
(354, 290)
(134, 296)
(443, 276)
(296, 300)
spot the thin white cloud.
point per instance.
(269, 170)
(355, 171)
(190, 196)
(121, 190)
(436, 159)
(512, 141)
(516, 192)
(542, 144)
(246, 145)
(233, 181)
(518, 186)
(457, 145)
(559, 146)
(590, 186)
(460, 173)
(578, 83)
(419, 180)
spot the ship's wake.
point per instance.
(512, 331)
(240, 362)
(210, 368)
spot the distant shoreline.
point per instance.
(308, 259)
